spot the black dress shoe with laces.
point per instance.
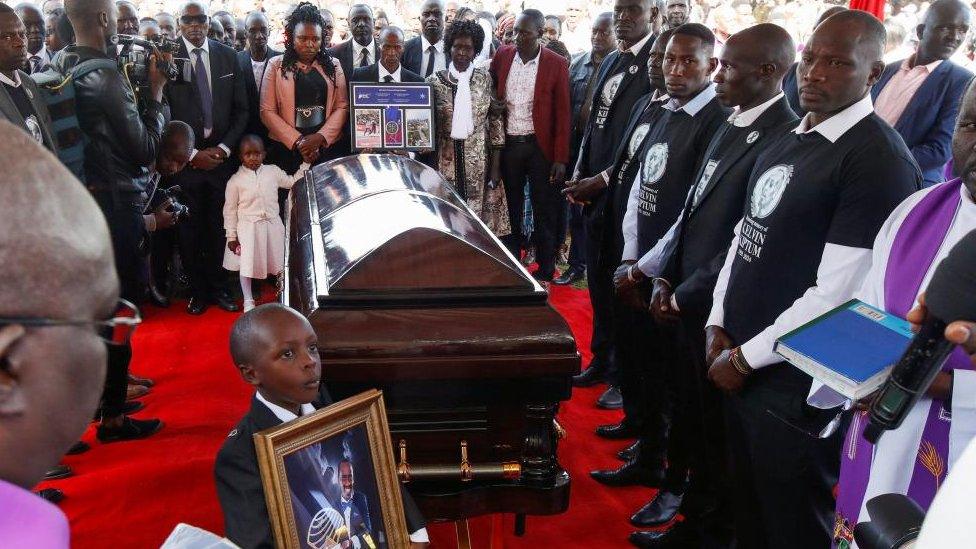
(611, 399)
(629, 453)
(659, 511)
(629, 474)
(616, 431)
(131, 429)
(593, 375)
(568, 277)
(196, 306)
(226, 302)
(58, 472)
(51, 495)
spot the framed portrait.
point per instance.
(330, 481)
(392, 116)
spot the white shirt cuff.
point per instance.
(193, 153)
(420, 536)
(674, 303)
(758, 353)
(225, 148)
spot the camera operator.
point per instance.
(122, 144)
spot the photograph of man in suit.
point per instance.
(388, 68)
(424, 54)
(360, 49)
(352, 504)
(214, 104)
(20, 100)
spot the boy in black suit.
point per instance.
(276, 351)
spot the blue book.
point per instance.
(850, 349)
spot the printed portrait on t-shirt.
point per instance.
(610, 89)
(768, 190)
(636, 139)
(655, 161)
(703, 182)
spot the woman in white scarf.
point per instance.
(469, 135)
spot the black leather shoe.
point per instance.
(157, 297)
(611, 399)
(57, 472)
(568, 277)
(629, 453)
(680, 536)
(593, 375)
(196, 306)
(226, 303)
(79, 447)
(629, 474)
(659, 511)
(51, 495)
(616, 431)
(131, 429)
(130, 407)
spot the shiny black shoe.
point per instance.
(196, 306)
(131, 429)
(593, 375)
(629, 453)
(616, 431)
(157, 297)
(51, 495)
(226, 302)
(629, 474)
(659, 511)
(79, 447)
(568, 277)
(611, 399)
(58, 472)
(680, 536)
(130, 407)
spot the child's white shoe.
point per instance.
(248, 305)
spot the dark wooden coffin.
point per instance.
(410, 293)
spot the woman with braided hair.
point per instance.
(304, 99)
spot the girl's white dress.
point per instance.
(251, 218)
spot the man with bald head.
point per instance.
(749, 79)
(919, 96)
(59, 288)
(790, 86)
(388, 68)
(425, 54)
(814, 203)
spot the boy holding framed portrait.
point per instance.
(323, 481)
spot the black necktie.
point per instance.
(388, 78)
(430, 62)
(365, 58)
(626, 58)
(35, 64)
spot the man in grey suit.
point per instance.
(20, 100)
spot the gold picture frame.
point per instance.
(303, 445)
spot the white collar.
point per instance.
(15, 83)
(383, 72)
(518, 58)
(424, 44)
(284, 415)
(42, 54)
(837, 125)
(357, 48)
(190, 47)
(636, 48)
(746, 118)
(696, 104)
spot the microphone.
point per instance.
(364, 533)
(949, 297)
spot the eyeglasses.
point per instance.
(193, 19)
(827, 430)
(114, 331)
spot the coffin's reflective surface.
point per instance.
(411, 293)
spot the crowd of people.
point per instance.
(719, 173)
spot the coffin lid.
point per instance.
(389, 227)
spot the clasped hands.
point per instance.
(310, 146)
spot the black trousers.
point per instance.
(642, 355)
(576, 227)
(599, 281)
(521, 162)
(783, 477)
(201, 235)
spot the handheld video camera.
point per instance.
(134, 61)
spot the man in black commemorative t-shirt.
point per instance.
(20, 100)
(814, 204)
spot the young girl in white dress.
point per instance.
(255, 233)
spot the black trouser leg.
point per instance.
(513, 175)
(214, 233)
(577, 236)
(161, 256)
(600, 284)
(192, 230)
(116, 379)
(545, 211)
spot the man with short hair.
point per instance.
(254, 62)
(167, 24)
(38, 58)
(149, 30)
(240, 35)
(54, 368)
(20, 99)
(360, 50)
(425, 54)
(450, 10)
(677, 13)
(815, 201)
(215, 31)
(229, 24)
(919, 96)
(388, 69)
(553, 29)
(49, 7)
(128, 21)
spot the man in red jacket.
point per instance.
(534, 84)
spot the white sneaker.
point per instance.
(248, 305)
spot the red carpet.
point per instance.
(132, 494)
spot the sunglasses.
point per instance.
(194, 19)
(117, 330)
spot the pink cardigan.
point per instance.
(278, 104)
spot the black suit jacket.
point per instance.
(698, 249)
(412, 56)
(344, 53)
(254, 124)
(230, 107)
(239, 486)
(372, 74)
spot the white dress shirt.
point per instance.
(841, 269)
(43, 58)
(258, 68)
(383, 73)
(440, 60)
(519, 94)
(359, 50)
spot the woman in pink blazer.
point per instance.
(304, 101)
